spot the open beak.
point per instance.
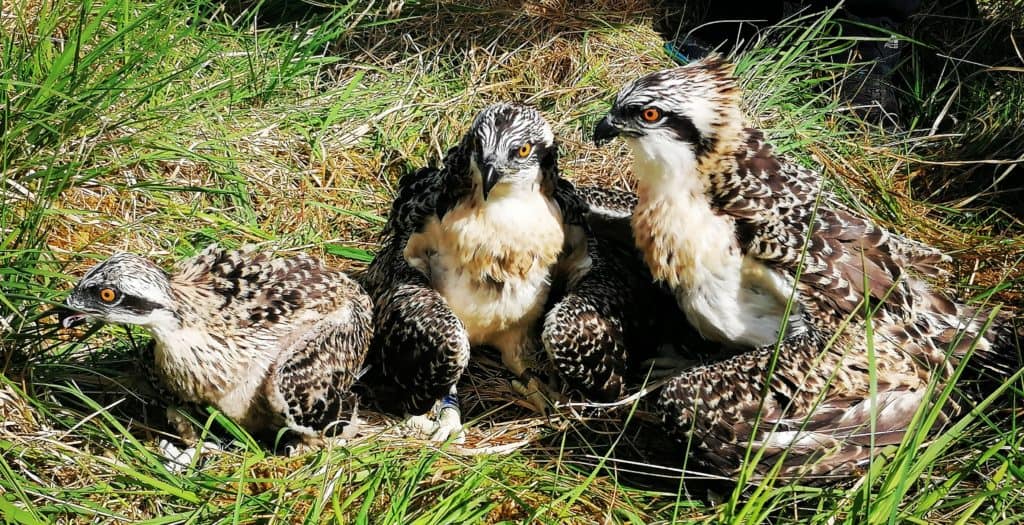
(605, 131)
(491, 177)
(70, 318)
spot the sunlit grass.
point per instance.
(160, 127)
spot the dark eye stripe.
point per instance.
(547, 155)
(683, 128)
(686, 131)
(137, 305)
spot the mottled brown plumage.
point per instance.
(757, 251)
(494, 248)
(272, 342)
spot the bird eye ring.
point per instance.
(524, 150)
(651, 114)
(108, 295)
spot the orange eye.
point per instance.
(651, 114)
(108, 295)
(524, 150)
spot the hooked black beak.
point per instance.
(69, 318)
(490, 176)
(605, 131)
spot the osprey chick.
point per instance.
(737, 232)
(272, 342)
(470, 256)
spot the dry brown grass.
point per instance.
(544, 54)
(416, 85)
(20, 19)
(539, 60)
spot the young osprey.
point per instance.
(471, 255)
(271, 342)
(737, 232)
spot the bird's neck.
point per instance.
(501, 239)
(163, 323)
(507, 195)
(188, 307)
(519, 222)
(664, 169)
(718, 166)
(683, 233)
(193, 356)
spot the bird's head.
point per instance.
(511, 147)
(124, 289)
(692, 107)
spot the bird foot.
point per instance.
(538, 394)
(449, 423)
(304, 445)
(446, 426)
(352, 427)
(179, 460)
(182, 425)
